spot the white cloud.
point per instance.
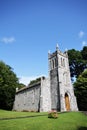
(81, 34)
(84, 43)
(8, 40)
(26, 80)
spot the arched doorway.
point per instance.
(67, 103)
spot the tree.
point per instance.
(77, 61)
(35, 81)
(81, 91)
(21, 85)
(84, 53)
(8, 84)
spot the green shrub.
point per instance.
(53, 114)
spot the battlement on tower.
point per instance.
(64, 54)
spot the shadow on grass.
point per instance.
(82, 128)
(22, 117)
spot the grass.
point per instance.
(65, 121)
(14, 114)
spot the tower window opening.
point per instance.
(64, 62)
(61, 62)
(50, 65)
(53, 63)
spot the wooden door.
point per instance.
(67, 103)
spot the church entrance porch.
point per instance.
(67, 103)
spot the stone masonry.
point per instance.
(52, 93)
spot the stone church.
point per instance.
(52, 93)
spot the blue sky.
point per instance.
(29, 28)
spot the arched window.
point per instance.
(64, 62)
(50, 65)
(53, 63)
(61, 61)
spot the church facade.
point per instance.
(52, 93)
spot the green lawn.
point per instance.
(65, 121)
(14, 114)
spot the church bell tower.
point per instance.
(62, 93)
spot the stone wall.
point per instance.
(65, 84)
(60, 82)
(28, 98)
(45, 99)
(55, 101)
